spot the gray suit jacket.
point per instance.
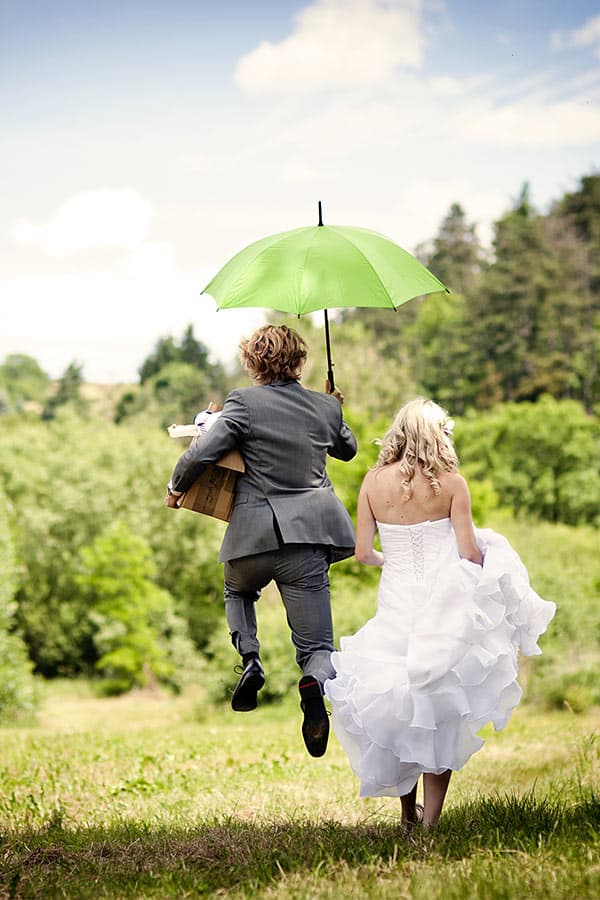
(284, 433)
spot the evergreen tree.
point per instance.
(165, 352)
(456, 257)
(176, 381)
(440, 338)
(578, 213)
(189, 350)
(506, 309)
(68, 392)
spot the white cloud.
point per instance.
(338, 43)
(88, 220)
(531, 124)
(586, 36)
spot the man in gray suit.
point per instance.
(287, 524)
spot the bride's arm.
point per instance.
(365, 532)
(462, 523)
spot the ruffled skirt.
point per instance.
(436, 663)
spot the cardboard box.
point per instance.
(214, 492)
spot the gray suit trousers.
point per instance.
(301, 573)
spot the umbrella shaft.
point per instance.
(328, 345)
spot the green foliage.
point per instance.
(442, 356)
(132, 618)
(68, 392)
(18, 696)
(68, 481)
(371, 360)
(176, 381)
(21, 380)
(189, 351)
(456, 257)
(175, 394)
(564, 566)
(524, 325)
(577, 691)
(542, 458)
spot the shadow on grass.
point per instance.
(230, 855)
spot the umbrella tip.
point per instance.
(320, 213)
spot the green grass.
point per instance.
(148, 796)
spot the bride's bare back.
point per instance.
(392, 502)
(384, 498)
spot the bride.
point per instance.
(439, 659)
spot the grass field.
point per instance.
(149, 796)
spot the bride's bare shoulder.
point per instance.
(374, 477)
(452, 481)
(369, 478)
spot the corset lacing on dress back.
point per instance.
(412, 551)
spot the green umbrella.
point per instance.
(323, 267)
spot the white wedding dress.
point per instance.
(439, 658)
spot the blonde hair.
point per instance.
(420, 436)
(272, 353)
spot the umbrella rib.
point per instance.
(309, 247)
(369, 263)
(281, 237)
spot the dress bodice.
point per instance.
(412, 552)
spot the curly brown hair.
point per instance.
(273, 353)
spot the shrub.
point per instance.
(136, 633)
(18, 696)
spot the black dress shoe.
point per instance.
(315, 727)
(252, 680)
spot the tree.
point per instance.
(429, 339)
(133, 619)
(67, 481)
(176, 381)
(22, 380)
(456, 257)
(542, 458)
(68, 391)
(189, 350)
(578, 215)
(441, 351)
(582, 209)
(506, 310)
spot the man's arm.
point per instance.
(344, 447)
(345, 444)
(225, 435)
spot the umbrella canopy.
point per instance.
(321, 267)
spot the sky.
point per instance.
(143, 143)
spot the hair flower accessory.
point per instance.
(448, 427)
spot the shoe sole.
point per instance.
(315, 727)
(244, 697)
